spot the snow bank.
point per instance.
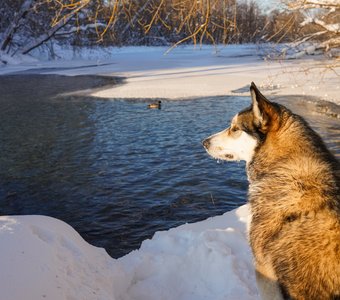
(42, 257)
(206, 260)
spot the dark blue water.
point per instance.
(114, 170)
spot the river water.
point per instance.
(114, 170)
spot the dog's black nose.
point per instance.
(206, 143)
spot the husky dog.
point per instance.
(294, 197)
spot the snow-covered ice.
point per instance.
(188, 72)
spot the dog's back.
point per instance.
(295, 204)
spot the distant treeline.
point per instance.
(26, 24)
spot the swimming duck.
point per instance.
(155, 105)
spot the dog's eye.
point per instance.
(233, 129)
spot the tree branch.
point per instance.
(60, 24)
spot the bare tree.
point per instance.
(121, 22)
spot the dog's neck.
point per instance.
(287, 161)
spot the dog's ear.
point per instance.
(264, 111)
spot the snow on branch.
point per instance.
(329, 27)
(307, 4)
(75, 29)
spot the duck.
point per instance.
(155, 105)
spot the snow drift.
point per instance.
(42, 257)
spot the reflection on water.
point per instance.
(114, 170)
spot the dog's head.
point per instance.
(247, 131)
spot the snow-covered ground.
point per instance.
(44, 258)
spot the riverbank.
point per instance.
(188, 72)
